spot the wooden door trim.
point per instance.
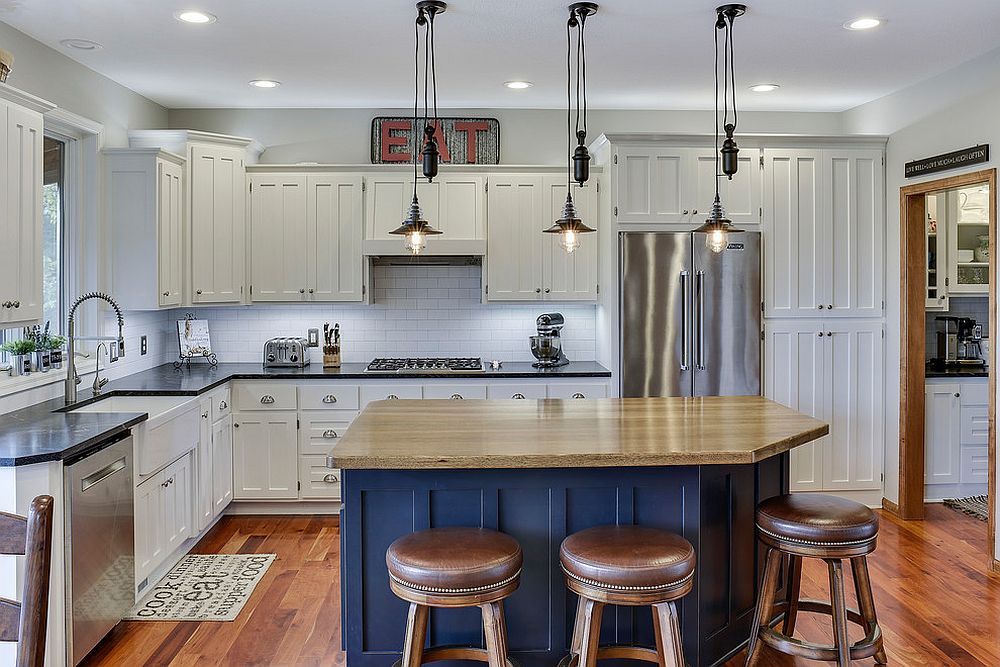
(913, 265)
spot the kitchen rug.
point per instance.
(203, 588)
(977, 506)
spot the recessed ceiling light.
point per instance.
(864, 23)
(194, 16)
(81, 44)
(764, 87)
(265, 83)
(518, 85)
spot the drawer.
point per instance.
(328, 397)
(316, 480)
(975, 393)
(578, 390)
(975, 465)
(456, 391)
(381, 392)
(319, 436)
(975, 426)
(222, 402)
(508, 391)
(265, 396)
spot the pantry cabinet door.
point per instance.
(570, 276)
(335, 263)
(796, 254)
(942, 433)
(23, 212)
(514, 251)
(265, 456)
(654, 184)
(741, 195)
(854, 192)
(217, 226)
(278, 237)
(794, 376)
(170, 227)
(854, 405)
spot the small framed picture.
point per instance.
(193, 338)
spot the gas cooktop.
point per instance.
(443, 365)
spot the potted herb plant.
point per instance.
(55, 345)
(20, 353)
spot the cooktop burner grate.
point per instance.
(426, 365)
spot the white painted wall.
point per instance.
(527, 136)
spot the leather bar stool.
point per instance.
(631, 566)
(454, 567)
(817, 526)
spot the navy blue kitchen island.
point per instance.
(541, 470)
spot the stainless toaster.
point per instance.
(286, 353)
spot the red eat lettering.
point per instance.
(389, 140)
(470, 127)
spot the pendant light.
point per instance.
(569, 225)
(718, 227)
(415, 229)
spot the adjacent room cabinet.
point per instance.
(21, 142)
(677, 185)
(453, 203)
(305, 236)
(824, 232)
(956, 437)
(831, 368)
(144, 206)
(522, 262)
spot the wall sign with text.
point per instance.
(953, 160)
(460, 140)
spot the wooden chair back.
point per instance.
(25, 622)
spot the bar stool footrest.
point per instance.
(616, 652)
(449, 652)
(864, 648)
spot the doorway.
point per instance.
(924, 255)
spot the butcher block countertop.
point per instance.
(553, 433)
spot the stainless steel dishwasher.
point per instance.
(100, 550)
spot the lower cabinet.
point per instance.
(222, 464)
(265, 455)
(163, 508)
(956, 433)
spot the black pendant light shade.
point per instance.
(570, 226)
(718, 227)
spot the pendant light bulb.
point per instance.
(430, 154)
(569, 241)
(717, 228)
(569, 226)
(415, 229)
(415, 242)
(716, 240)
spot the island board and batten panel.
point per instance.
(540, 470)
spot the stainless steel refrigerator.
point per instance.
(690, 318)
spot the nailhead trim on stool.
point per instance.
(455, 591)
(615, 587)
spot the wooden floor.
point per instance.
(935, 602)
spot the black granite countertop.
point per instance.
(979, 372)
(46, 432)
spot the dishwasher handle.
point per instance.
(99, 476)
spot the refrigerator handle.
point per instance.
(700, 324)
(685, 321)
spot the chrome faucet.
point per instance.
(99, 382)
(72, 379)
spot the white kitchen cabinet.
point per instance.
(278, 252)
(389, 392)
(144, 205)
(455, 391)
(21, 141)
(204, 478)
(317, 481)
(334, 231)
(823, 232)
(454, 204)
(956, 437)
(830, 369)
(177, 496)
(936, 244)
(516, 390)
(655, 184)
(942, 428)
(265, 455)
(741, 195)
(163, 515)
(522, 262)
(968, 223)
(577, 390)
(222, 464)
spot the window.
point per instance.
(53, 237)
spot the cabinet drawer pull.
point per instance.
(329, 398)
(331, 479)
(223, 405)
(392, 397)
(330, 433)
(518, 396)
(457, 397)
(267, 399)
(578, 395)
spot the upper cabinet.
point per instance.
(824, 232)
(305, 236)
(677, 185)
(144, 206)
(522, 262)
(454, 204)
(21, 141)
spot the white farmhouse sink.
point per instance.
(173, 427)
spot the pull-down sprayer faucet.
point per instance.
(72, 379)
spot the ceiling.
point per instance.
(643, 54)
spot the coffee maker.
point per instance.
(959, 341)
(547, 344)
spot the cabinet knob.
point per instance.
(685, 211)
(166, 294)
(518, 396)
(829, 306)
(694, 212)
(223, 405)
(197, 291)
(829, 333)
(236, 425)
(457, 397)
(820, 334)
(538, 290)
(302, 291)
(820, 306)
(547, 290)
(329, 434)
(204, 415)
(17, 304)
(311, 290)
(6, 304)
(329, 398)
(267, 399)
(578, 395)
(957, 395)
(391, 397)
